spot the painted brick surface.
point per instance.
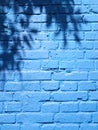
(49, 65)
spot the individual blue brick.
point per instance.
(86, 86)
(35, 18)
(89, 127)
(48, 127)
(85, 65)
(30, 106)
(90, 2)
(68, 54)
(49, 45)
(6, 96)
(88, 106)
(31, 96)
(71, 36)
(33, 55)
(36, 75)
(67, 127)
(93, 96)
(50, 107)
(12, 107)
(69, 96)
(72, 118)
(35, 45)
(69, 107)
(74, 76)
(10, 127)
(34, 118)
(88, 45)
(7, 118)
(50, 64)
(52, 27)
(91, 36)
(35, 26)
(69, 45)
(91, 18)
(5, 76)
(30, 126)
(34, 65)
(95, 117)
(13, 86)
(94, 10)
(50, 85)
(95, 45)
(95, 25)
(84, 27)
(31, 86)
(67, 64)
(93, 75)
(68, 86)
(91, 54)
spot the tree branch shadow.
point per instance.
(16, 32)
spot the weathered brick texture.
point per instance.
(48, 64)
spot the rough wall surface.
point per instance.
(48, 65)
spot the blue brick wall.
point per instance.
(49, 65)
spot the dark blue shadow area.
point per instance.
(15, 16)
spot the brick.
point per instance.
(34, 65)
(33, 55)
(6, 96)
(10, 127)
(7, 118)
(69, 96)
(50, 107)
(72, 118)
(91, 54)
(12, 86)
(74, 76)
(35, 76)
(93, 96)
(69, 107)
(5, 76)
(86, 86)
(91, 36)
(88, 106)
(50, 86)
(50, 64)
(95, 45)
(28, 106)
(95, 117)
(85, 64)
(31, 96)
(93, 75)
(89, 127)
(49, 45)
(34, 118)
(62, 54)
(31, 86)
(88, 45)
(48, 127)
(67, 127)
(91, 18)
(68, 86)
(12, 107)
(67, 64)
(30, 126)
(90, 2)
